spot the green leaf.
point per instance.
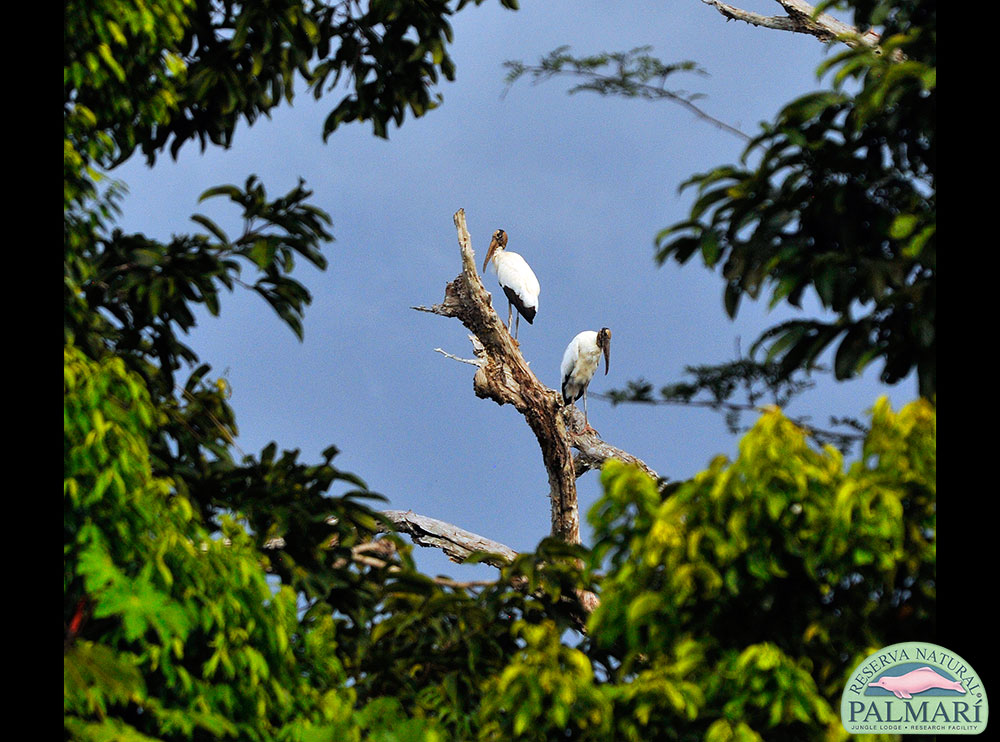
(232, 191)
(915, 247)
(643, 605)
(731, 298)
(852, 352)
(211, 227)
(903, 225)
(710, 248)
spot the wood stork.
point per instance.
(579, 363)
(516, 279)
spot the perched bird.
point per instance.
(516, 279)
(579, 363)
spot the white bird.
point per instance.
(516, 279)
(579, 363)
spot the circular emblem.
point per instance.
(914, 688)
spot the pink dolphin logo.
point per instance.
(916, 681)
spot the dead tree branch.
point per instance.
(504, 376)
(457, 543)
(801, 18)
(593, 451)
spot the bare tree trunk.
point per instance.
(504, 376)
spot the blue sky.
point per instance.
(580, 183)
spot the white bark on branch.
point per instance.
(470, 361)
(801, 18)
(457, 543)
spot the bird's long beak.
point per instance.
(489, 253)
(604, 341)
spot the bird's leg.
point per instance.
(586, 423)
(510, 311)
(517, 325)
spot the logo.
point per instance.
(914, 688)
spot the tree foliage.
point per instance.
(179, 622)
(756, 587)
(173, 630)
(631, 74)
(836, 197)
(715, 387)
(158, 74)
(208, 596)
(841, 201)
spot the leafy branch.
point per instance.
(629, 74)
(717, 388)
